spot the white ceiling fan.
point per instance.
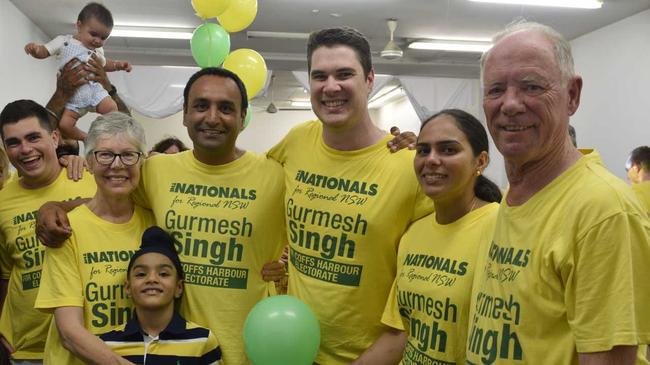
(392, 50)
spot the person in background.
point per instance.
(437, 254)
(572, 134)
(94, 25)
(82, 282)
(169, 145)
(67, 147)
(156, 332)
(638, 173)
(564, 280)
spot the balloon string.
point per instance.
(209, 45)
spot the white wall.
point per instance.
(614, 114)
(21, 76)
(398, 113)
(265, 129)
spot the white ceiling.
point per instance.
(417, 19)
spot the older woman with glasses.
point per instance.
(82, 282)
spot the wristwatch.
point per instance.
(113, 90)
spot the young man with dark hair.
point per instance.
(30, 142)
(348, 199)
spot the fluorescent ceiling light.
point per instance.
(177, 86)
(278, 35)
(385, 97)
(582, 4)
(162, 33)
(153, 25)
(451, 45)
(301, 104)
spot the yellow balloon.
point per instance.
(250, 67)
(239, 15)
(207, 9)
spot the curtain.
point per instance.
(157, 91)
(153, 91)
(429, 95)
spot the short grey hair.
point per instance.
(562, 48)
(114, 124)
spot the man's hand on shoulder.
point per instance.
(52, 225)
(401, 140)
(75, 166)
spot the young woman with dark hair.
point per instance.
(428, 308)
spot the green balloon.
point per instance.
(281, 330)
(210, 44)
(249, 112)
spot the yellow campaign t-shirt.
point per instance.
(431, 293)
(21, 257)
(566, 273)
(89, 271)
(346, 212)
(227, 221)
(642, 191)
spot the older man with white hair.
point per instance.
(564, 280)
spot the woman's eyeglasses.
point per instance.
(128, 158)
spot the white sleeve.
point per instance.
(54, 46)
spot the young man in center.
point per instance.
(348, 199)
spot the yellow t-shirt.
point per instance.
(89, 271)
(346, 212)
(227, 222)
(431, 293)
(642, 191)
(21, 257)
(567, 272)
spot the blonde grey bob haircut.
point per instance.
(114, 124)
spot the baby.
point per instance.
(94, 25)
